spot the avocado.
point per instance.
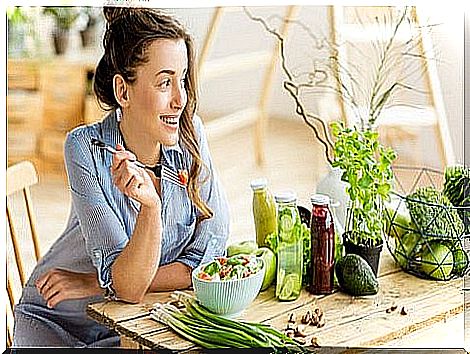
(339, 270)
(355, 276)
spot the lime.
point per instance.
(460, 262)
(437, 261)
(289, 287)
(286, 223)
(405, 248)
(279, 280)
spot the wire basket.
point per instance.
(429, 240)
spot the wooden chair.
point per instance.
(20, 177)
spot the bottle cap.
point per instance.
(259, 183)
(320, 199)
(285, 197)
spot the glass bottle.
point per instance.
(323, 245)
(289, 254)
(264, 210)
(339, 231)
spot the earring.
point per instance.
(118, 114)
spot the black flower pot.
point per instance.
(88, 36)
(371, 254)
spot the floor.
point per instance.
(293, 161)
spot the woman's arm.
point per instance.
(58, 285)
(124, 263)
(137, 264)
(172, 276)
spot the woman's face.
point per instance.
(158, 96)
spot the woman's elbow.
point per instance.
(130, 295)
(129, 291)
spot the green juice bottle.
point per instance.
(264, 210)
(290, 252)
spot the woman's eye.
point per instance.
(166, 83)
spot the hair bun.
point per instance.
(113, 13)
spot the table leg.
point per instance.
(128, 343)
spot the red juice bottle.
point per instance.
(323, 245)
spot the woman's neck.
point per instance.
(138, 142)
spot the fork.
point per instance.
(160, 170)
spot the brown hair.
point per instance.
(129, 32)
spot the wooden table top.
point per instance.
(350, 321)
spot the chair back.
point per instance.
(21, 233)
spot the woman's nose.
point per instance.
(178, 97)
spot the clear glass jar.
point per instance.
(323, 245)
(264, 210)
(289, 254)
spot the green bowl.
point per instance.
(227, 297)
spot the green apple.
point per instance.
(244, 247)
(269, 259)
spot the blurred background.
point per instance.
(250, 118)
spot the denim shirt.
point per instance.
(102, 218)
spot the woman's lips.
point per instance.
(169, 119)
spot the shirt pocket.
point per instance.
(185, 229)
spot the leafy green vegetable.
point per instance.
(271, 242)
(457, 190)
(235, 267)
(213, 268)
(427, 207)
(457, 185)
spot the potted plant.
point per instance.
(89, 17)
(64, 17)
(366, 166)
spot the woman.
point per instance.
(129, 232)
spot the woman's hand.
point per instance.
(133, 181)
(58, 285)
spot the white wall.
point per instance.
(237, 34)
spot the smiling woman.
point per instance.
(129, 232)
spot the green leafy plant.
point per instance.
(16, 15)
(64, 17)
(366, 166)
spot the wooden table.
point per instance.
(350, 321)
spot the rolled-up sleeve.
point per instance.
(102, 229)
(210, 236)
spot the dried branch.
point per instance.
(365, 92)
(293, 90)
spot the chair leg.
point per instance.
(9, 337)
